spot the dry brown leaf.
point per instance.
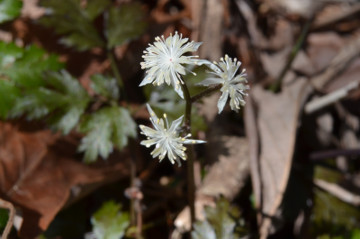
(232, 159)
(39, 178)
(282, 37)
(277, 120)
(211, 30)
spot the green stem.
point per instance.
(206, 92)
(190, 159)
(116, 72)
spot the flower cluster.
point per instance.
(166, 138)
(165, 63)
(232, 85)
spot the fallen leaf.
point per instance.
(38, 175)
(277, 120)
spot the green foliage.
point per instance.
(219, 222)
(70, 18)
(124, 23)
(9, 9)
(332, 217)
(76, 22)
(104, 86)
(109, 222)
(107, 127)
(25, 66)
(21, 73)
(62, 95)
(8, 94)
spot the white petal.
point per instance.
(222, 101)
(175, 124)
(211, 81)
(194, 141)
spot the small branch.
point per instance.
(9, 224)
(206, 92)
(331, 98)
(334, 153)
(339, 192)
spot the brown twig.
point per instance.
(339, 192)
(9, 224)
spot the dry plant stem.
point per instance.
(190, 159)
(206, 92)
(276, 87)
(139, 220)
(339, 192)
(10, 207)
(331, 98)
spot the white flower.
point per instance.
(166, 139)
(165, 58)
(232, 85)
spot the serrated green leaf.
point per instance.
(105, 86)
(124, 23)
(218, 222)
(203, 230)
(25, 66)
(70, 18)
(61, 97)
(109, 222)
(72, 100)
(98, 139)
(220, 219)
(104, 128)
(9, 9)
(21, 69)
(124, 127)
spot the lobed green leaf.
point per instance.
(219, 222)
(75, 21)
(105, 128)
(124, 24)
(105, 86)
(109, 222)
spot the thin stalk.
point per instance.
(116, 72)
(190, 159)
